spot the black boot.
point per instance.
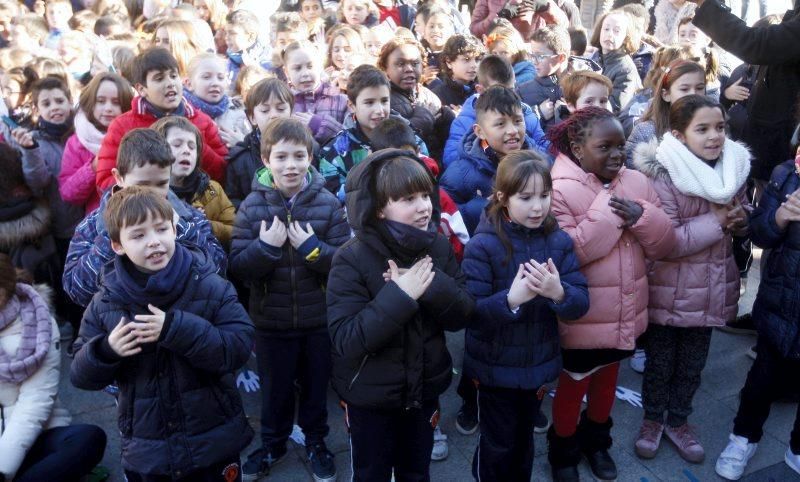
(564, 456)
(595, 440)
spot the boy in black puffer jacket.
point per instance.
(284, 237)
(171, 333)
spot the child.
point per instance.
(357, 12)
(577, 41)
(189, 182)
(667, 14)
(180, 38)
(289, 27)
(717, 73)
(614, 218)
(700, 177)
(268, 99)
(458, 63)
(438, 29)
(244, 46)
(171, 333)
(373, 43)
(284, 238)
(392, 291)
(499, 129)
(156, 79)
(522, 271)
(322, 107)
(145, 159)
(57, 13)
(508, 43)
(345, 47)
(106, 97)
(585, 88)
(613, 39)
(207, 89)
(492, 70)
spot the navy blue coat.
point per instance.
(178, 406)
(517, 350)
(244, 159)
(776, 310)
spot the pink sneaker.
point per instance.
(649, 439)
(686, 442)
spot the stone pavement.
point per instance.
(715, 406)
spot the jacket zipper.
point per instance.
(358, 372)
(295, 321)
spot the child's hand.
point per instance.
(150, 329)
(304, 117)
(94, 164)
(721, 213)
(629, 211)
(416, 280)
(736, 92)
(387, 275)
(275, 235)
(23, 137)
(737, 221)
(547, 109)
(123, 339)
(522, 289)
(298, 235)
(548, 282)
(789, 210)
(229, 137)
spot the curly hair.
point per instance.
(576, 129)
(458, 44)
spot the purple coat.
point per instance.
(329, 107)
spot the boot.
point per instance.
(564, 455)
(595, 440)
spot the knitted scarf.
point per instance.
(87, 133)
(694, 177)
(37, 332)
(213, 110)
(159, 289)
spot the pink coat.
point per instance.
(697, 284)
(76, 181)
(485, 12)
(612, 259)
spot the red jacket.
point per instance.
(214, 150)
(451, 223)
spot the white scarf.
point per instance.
(693, 176)
(87, 133)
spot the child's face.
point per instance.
(413, 210)
(237, 38)
(148, 245)
(687, 84)
(340, 50)
(58, 15)
(594, 94)
(289, 163)
(11, 92)
(438, 29)
(310, 10)
(303, 71)
(149, 175)
(503, 49)
(202, 10)
(691, 36)
(546, 61)
(163, 89)
(603, 151)
(504, 133)
(530, 206)
(371, 107)
(355, 11)
(53, 106)
(373, 45)
(419, 26)
(612, 35)
(183, 145)
(282, 39)
(705, 135)
(69, 50)
(210, 81)
(106, 104)
(465, 68)
(271, 108)
(161, 38)
(404, 66)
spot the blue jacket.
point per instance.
(776, 310)
(178, 407)
(524, 71)
(517, 350)
(466, 119)
(90, 247)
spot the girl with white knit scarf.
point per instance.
(700, 177)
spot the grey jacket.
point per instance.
(619, 67)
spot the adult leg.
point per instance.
(373, 442)
(412, 457)
(314, 379)
(63, 453)
(658, 371)
(692, 351)
(277, 359)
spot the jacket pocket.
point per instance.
(358, 372)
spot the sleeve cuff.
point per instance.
(273, 251)
(105, 353)
(168, 317)
(309, 250)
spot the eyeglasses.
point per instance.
(541, 57)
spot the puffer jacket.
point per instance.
(517, 350)
(424, 111)
(244, 159)
(524, 71)
(613, 260)
(76, 181)
(25, 237)
(618, 66)
(389, 350)
(287, 284)
(776, 310)
(219, 211)
(697, 284)
(451, 92)
(329, 108)
(178, 404)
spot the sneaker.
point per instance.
(541, 424)
(743, 286)
(649, 439)
(321, 459)
(751, 352)
(637, 360)
(467, 419)
(260, 461)
(792, 460)
(733, 460)
(686, 442)
(440, 447)
(742, 325)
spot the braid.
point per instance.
(575, 128)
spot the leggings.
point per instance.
(599, 387)
(63, 454)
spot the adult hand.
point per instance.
(737, 92)
(547, 280)
(789, 210)
(23, 137)
(298, 235)
(123, 339)
(629, 211)
(416, 280)
(276, 234)
(149, 330)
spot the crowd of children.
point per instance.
(330, 186)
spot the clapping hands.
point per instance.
(535, 279)
(415, 280)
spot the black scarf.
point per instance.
(160, 289)
(406, 242)
(195, 184)
(55, 131)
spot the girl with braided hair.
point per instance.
(614, 218)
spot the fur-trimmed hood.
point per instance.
(644, 160)
(26, 228)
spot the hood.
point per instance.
(524, 67)
(27, 228)
(644, 160)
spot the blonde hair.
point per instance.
(198, 59)
(183, 44)
(217, 12)
(353, 39)
(627, 44)
(372, 12)
(511, 37)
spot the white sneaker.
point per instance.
(792, 460)
(440, 448)
(637, 360)
(733, 460)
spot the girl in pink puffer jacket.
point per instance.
(700, 177)
(614, 218)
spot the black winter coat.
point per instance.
(244, 159)
(451, 92)
(287, 291)
(432, 127)
(178, 406)
(389, 350)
